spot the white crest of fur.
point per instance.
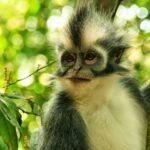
(93, 30)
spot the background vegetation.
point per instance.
(26, 29)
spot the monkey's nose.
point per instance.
(77, 68)
(78, 65)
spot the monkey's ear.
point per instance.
(109, 7)
(118, 55)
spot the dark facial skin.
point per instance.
(80, 66)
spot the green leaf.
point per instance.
(13, 108)
(8, 113)
(8, 134)
(3, 146)
(12, 96)
(142, 3)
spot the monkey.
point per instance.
(146, 96)
(97, 104)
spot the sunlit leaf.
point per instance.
(13, 96)
(9, 114)
(13, 108)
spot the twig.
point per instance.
(115, 9)
(37, 70)
(29, 113)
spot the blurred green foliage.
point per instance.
(26, 29)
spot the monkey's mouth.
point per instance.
(78, 79)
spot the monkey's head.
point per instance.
(91, 48)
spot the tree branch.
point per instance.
(116, 8)
(29, 113)
(37, 70)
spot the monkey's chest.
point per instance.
(115, 129)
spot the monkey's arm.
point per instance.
(63, 128)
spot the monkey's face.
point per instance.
(81, 66)
(90, 48)
(83, 70)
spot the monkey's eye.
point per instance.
(68, 59)
(90, 57)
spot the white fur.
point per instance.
(114, 120)
(104, 55)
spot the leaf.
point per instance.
(13, 108)
(12, 96)
(9, 114)
(8, 133)
(3, 146)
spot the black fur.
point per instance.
(115, 46)
(76, 24)
(142, 96)
(110, 69)
(146, 96)
(63, 128)
(134, 90)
